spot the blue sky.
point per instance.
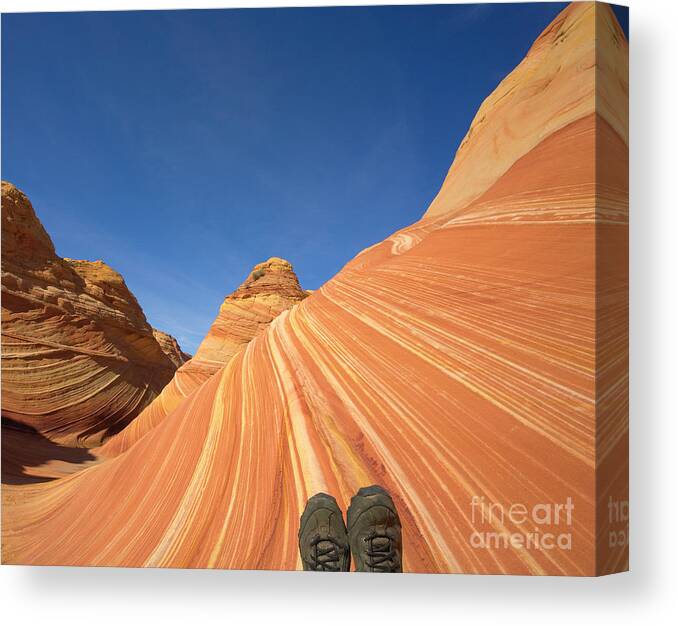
(183, 147)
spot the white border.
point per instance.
(51, 596)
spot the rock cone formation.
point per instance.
(79, 359)
(170, 346)
(456, 359)
(271, 288)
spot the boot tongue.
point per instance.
(325, 546)
(380, 544)
(327, 556)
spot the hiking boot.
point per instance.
(374, 531)
(323, 542)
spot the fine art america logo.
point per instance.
(542, 526)
(618, 521)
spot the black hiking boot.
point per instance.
(374, 531)
(323, 542)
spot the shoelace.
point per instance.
(324, 559)
(381, 555)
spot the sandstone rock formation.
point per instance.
(271, 288)
(79, 359)
(456, 359)
(171, 348)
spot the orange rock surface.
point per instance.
(79, 359)
(271, 288)
(456, 359)
(170, 346)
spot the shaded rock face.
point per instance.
(79, 359)
(456, 359)
(270, 288)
